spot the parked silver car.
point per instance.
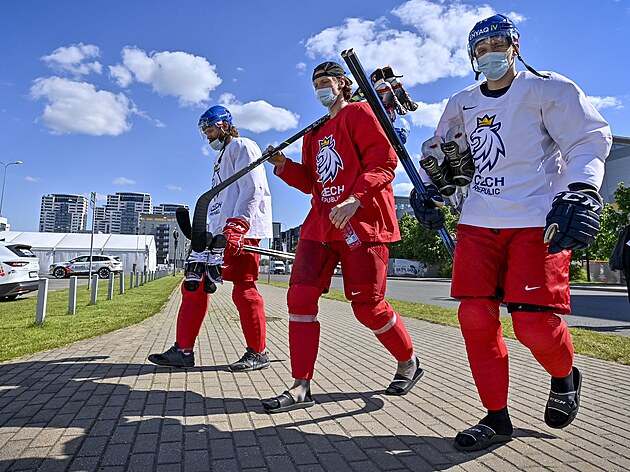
(19, 269)
(102, 265)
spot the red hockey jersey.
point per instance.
(347, 155)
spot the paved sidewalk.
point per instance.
(98, 404)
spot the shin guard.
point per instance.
(303, 329)
(487, 353)
(548, 338)
(251, 310)
(387, 326)
(303, 346)
(190, 317)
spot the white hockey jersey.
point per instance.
(248, 198)
(528, 145)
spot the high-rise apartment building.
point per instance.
(121, 214)
(63, 213)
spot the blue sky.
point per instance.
(105, 96)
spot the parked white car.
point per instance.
(102, 265)
(19, 269)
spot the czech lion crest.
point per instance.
(486, 143)
(328, 160)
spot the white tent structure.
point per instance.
(135, 251)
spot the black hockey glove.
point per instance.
(573, 222)
(426, 210)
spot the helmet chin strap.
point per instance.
(530, 68)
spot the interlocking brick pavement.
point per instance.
(99, 405)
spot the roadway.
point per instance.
(600, 308)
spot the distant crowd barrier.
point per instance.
(136, 279)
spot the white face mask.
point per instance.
(494, 65)
(216, 144)
(325, 96)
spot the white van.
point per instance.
(278, 267)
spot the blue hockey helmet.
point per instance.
(215, 115)
(496, 25)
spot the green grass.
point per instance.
(609, 347)
(20, 336)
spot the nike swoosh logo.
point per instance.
(354, 293)
(468, 108)
(528, 288)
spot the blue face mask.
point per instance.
(216, 145)
(326, 97)
(493, 65)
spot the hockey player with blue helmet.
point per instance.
(238, 215)
(538, 147)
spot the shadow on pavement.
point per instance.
(87, 424)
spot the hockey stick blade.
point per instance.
(183, 220)
(353, 63)
(203, 202)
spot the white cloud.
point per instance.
(34, 180)
(301, 67)
(121, 75)
(294, 149)
(434, 48)
(123, 181)
(174, 188)
(71, 59)
(185, 76)
(77, 107)
(428, 114)
(605, 102)
(259, 116)
(403, 189)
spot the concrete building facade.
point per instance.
(63, 213)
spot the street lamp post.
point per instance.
(4, 179)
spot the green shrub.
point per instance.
(577, 273)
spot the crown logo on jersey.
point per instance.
(325, 142)
(486, 121)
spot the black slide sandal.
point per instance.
(484, 437)
(565, 403)
(286, 402)
(401, 385)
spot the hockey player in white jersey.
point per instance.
(538, 148)
(238, 215)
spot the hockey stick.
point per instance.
(199, 242)
(183, 220)
(375, 103)
(269, 252)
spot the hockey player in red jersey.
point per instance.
(538, 148)
(348, 166)
(238, 215)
